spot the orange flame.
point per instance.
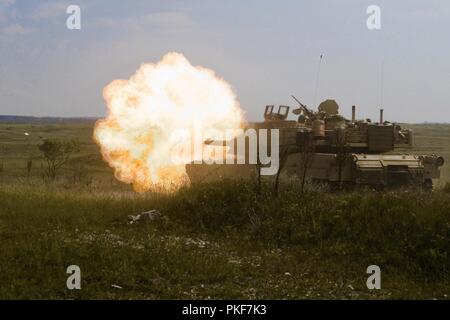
(136, 138)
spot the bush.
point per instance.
(446, 188)
(406, 230)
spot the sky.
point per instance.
(267, 50)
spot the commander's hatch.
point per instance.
(270, 115)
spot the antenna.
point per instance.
(381, 83)
(317, 79)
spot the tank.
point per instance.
(323, 146)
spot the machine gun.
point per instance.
(303, 110)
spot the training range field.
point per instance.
(16, 148)
(212, 241)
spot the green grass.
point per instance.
(221, 240)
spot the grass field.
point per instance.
(213, 241)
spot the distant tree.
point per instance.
(56, 153)
(79, 172)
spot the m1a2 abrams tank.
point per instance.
(323, 146)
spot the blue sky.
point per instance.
(267, 50)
